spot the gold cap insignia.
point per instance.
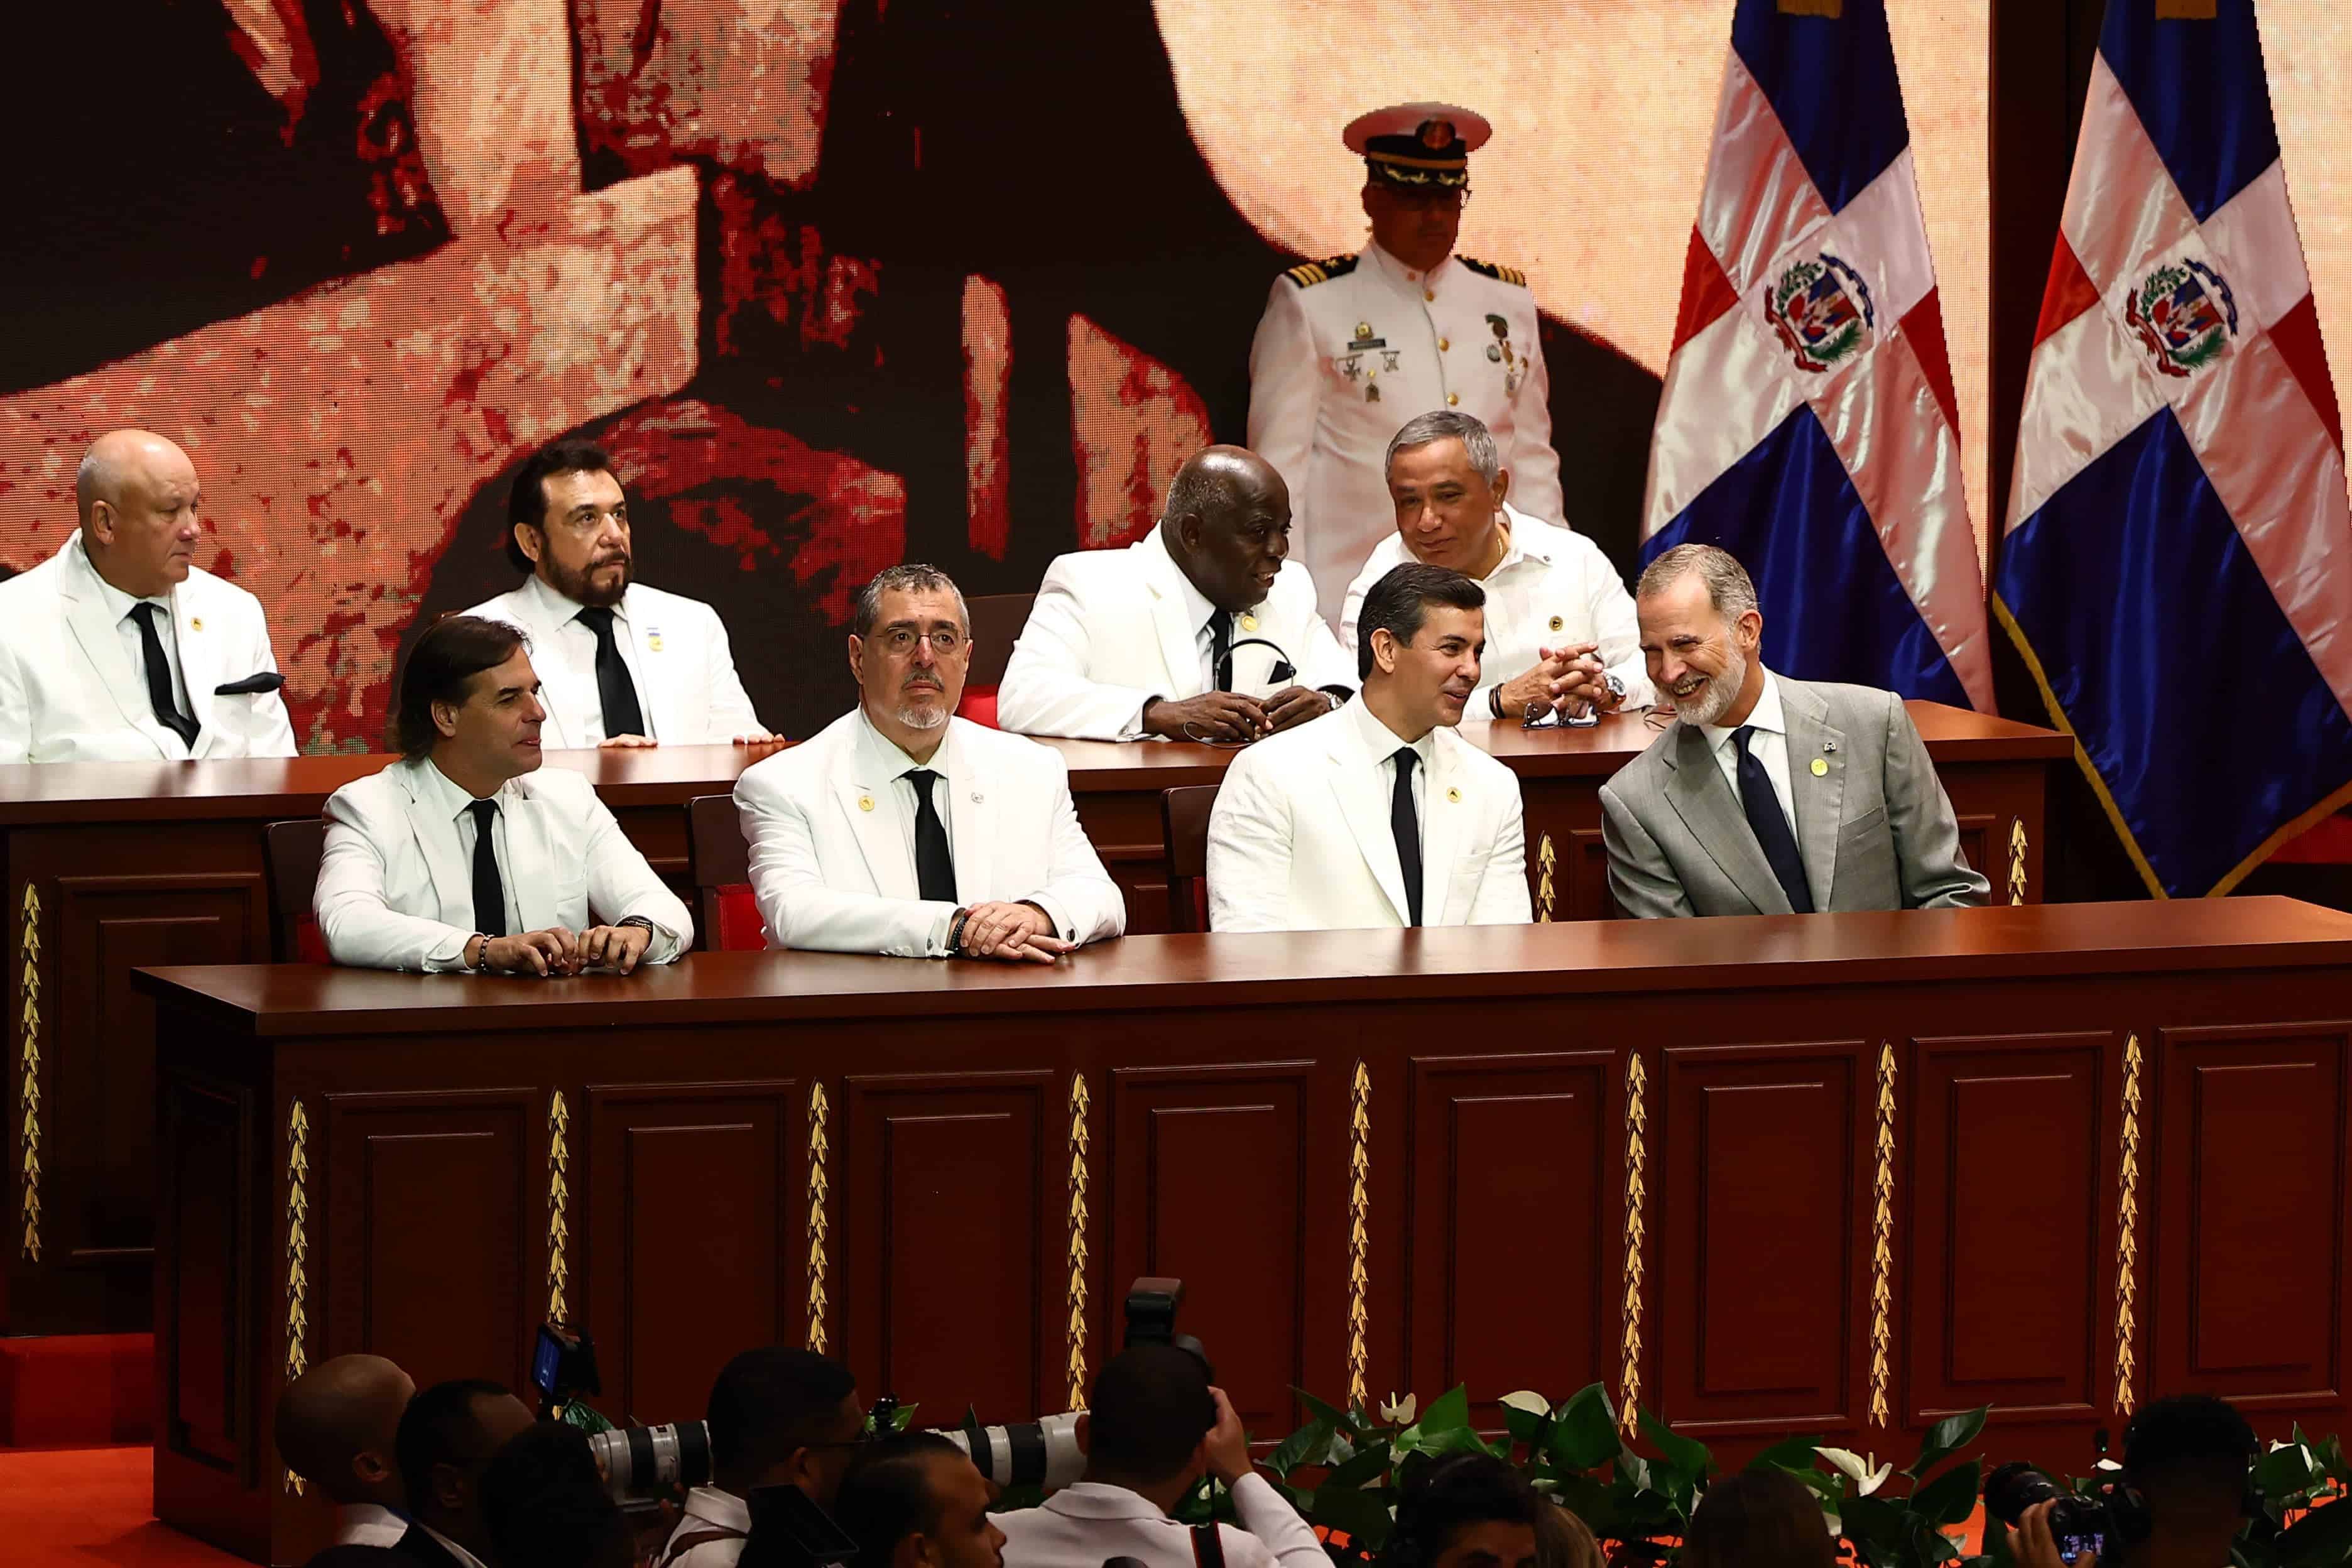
(1437, 134)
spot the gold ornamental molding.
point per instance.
(1360, 1203)
(297, 1252)
(2017, 859)
(2128, 1231)
(1078, 1326)
(1882, 1246)
(1546, 896)
(558, 1199)
(818, 1111)
(29, 1084)
(1637, 1122)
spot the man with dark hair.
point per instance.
(2187, 1476)
(448, 1436)
(466, 855)
(1204, 629)
(336, 1427)
(778, 1415)
(1764, 1518)
(1378, 815)
(546, 1505)
(918, 1501)
(625, 665)
(1464, 1511)
(902, 829)
(1769, 796)
(1153, 1427)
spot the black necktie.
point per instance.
(159, 677)
(1405, 823)
(934, 867)
(1769, 825)
(615, 692)
(490, 891)
(1221, 650)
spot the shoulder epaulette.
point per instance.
(1502, 274)
(1307, 274)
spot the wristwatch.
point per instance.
(640, 922)
(1616, 689)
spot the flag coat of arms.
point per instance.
(1807, 421)
(2176, 565)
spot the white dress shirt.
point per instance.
(464, 1558)
(453, 806)
(708, 1508)
(1768, 746)
(1082, 1526)
(1380, 744)
(118, 605)
(368, 1524)
(883, 758)
(1553, 588)
(577, 647)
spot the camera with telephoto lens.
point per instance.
(2078, 1524)
(638, 1461)
(1044, 1453)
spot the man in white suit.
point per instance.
(1378, 815)
(465, 854)
(623, 664)
(900, 829)
(1203, 629)
(120, 648)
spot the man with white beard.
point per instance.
(900, 829)
(1769, 796)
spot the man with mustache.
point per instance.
(1351, 346)
(625, 665)
(120, 648)
(1378, 815)
(1202, 630)
(902, 829)
(465, 854)
(1769, 796)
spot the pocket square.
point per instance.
(252, 685)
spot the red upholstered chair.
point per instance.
(292, 851)
(1185, 816)
(996, 623)
(727, 914)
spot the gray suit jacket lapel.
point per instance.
(1705, 802)
(1819, 801)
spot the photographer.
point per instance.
(2184, 1493)
(1152, 1428)
(546, 1505)
(1464, 1511)
(778, 1417)
(918, 1501)
(448, 1436)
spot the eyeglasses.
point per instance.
(899, 642)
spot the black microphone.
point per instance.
(1282, 671)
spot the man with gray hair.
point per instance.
(1769, 796)
(902, 829)
(1560, 637)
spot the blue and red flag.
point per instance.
(2177, 563)
(1808, 423)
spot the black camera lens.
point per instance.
(2013, 1489)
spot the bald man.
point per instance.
(337, 1425)
(120, 648)
(1203, 630)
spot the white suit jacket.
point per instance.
(1299, 838)
(1113, 628)
(1348, 349)
(71, 691)
(394, 893)
(1083, 1526)
(828, 877)
(678, 656)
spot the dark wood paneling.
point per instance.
(690, 1235)
(1763, 1215)
(951, 1240)
(208, 1166)
(1207, 1183)
(2010, 1223)
(439, 1193)
(2247, 1226)
(1517, 1196)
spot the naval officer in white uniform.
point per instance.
(1352, 346)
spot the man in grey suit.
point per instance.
(1769, 796)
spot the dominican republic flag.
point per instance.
(1808, 424)
(2178, 564)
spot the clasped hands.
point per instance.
(1230, 716)
(558, 951)
(1563, 678)
(1011, 933)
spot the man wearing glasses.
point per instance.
(1352, 346)
(902, 829)
(623, 664)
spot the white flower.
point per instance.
(1529, 1402)
(1866, 1473)
(1399, 1412)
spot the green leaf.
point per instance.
(2322, 1536)
(1873, 1520)
(1789, 1454)
(1342, 1420)
(1584, 1435)
(1633, 1470)
(1364, 1515)
(1951, 1497)
(1688, 1455)
(1526, 1414)
(1449, 1412)
(1585, 1498)
(1307, 1445)
(1947, 1437)
(1360, 1471)
(2284, 1472)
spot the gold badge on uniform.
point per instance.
(1249, 623)
(865, 803)
(653, 642)
(1821, 768)
(1455, 795)
(1556, 623)
(197, 624)
(1363, 328)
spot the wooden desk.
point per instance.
(113, 866)
(1880, 1167)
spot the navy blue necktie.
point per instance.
(1766, 820)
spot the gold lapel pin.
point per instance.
(1821, 768)
(653, 642)
(1454, 794)
(1556, 623)
(196, 623)
(1249, 623)
(865, 803)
